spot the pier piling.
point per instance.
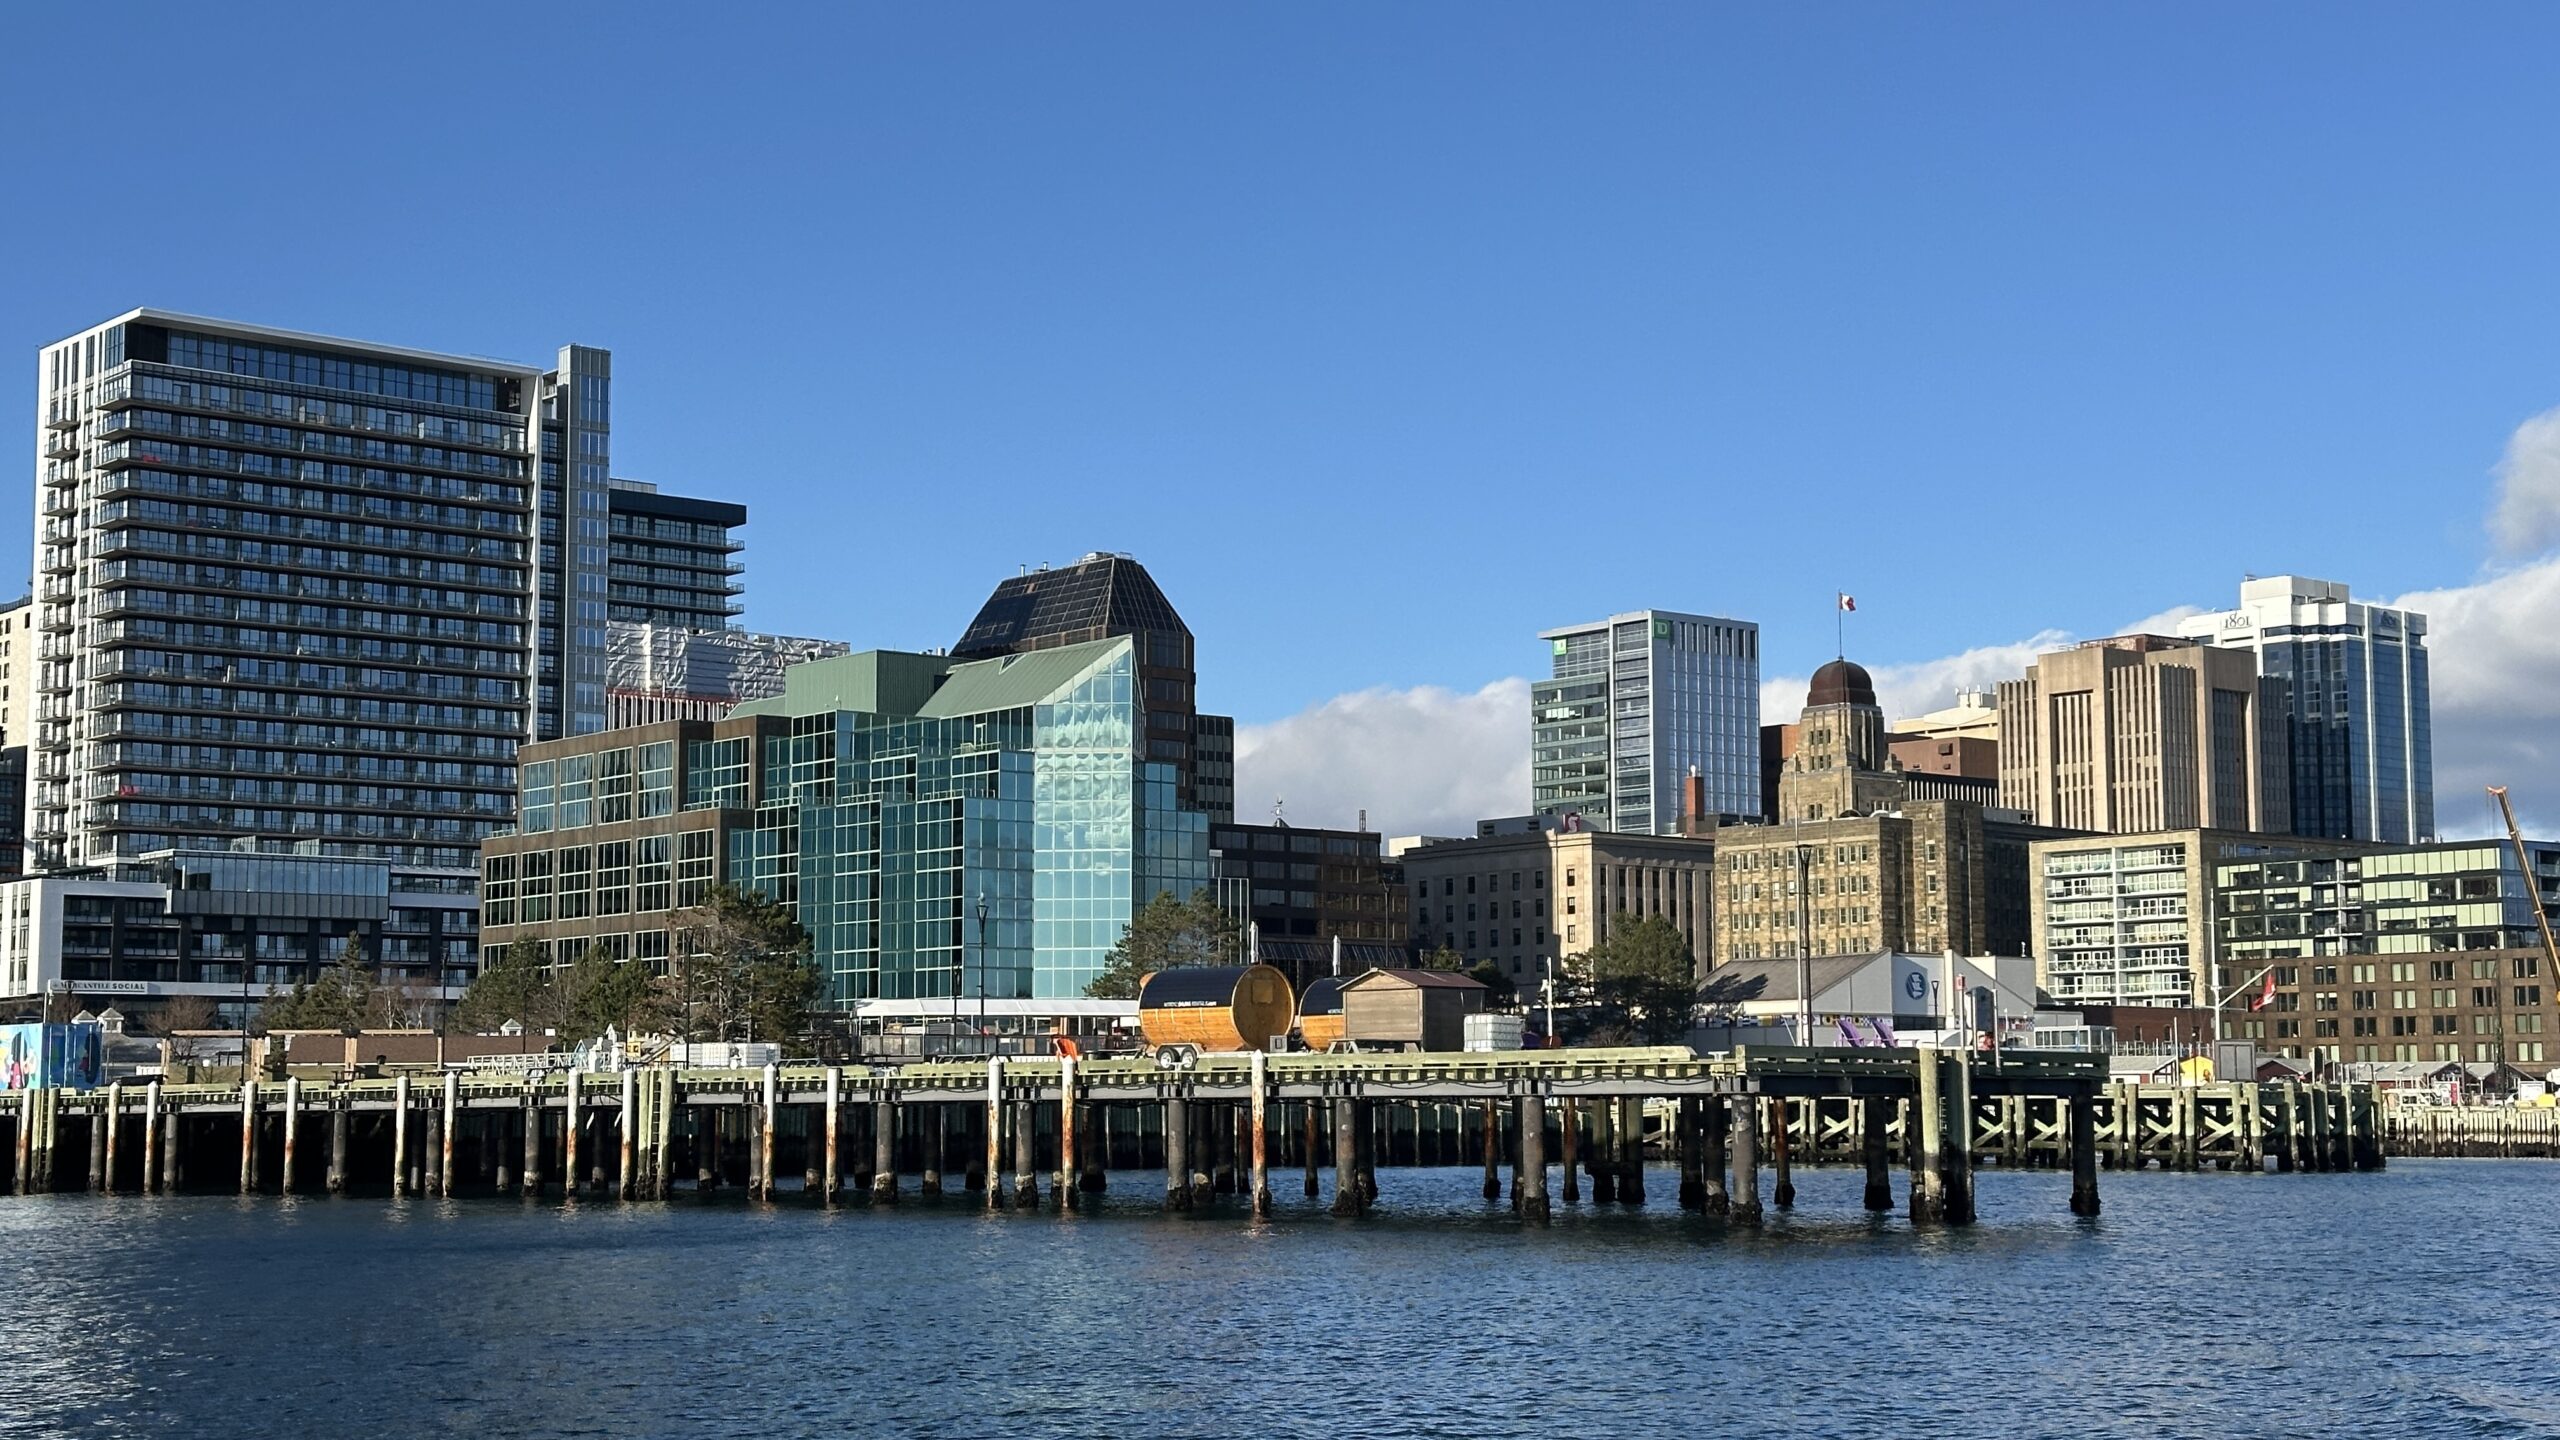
(1533, 1160)
(1782, 1120)
(248, 1137)
(1745, 1198)
(1177, 1153)
(1257, 1119)
(292, 1128)
(1928, 1188)
(1347, 1198)
(337, 1178)
(1569, 1122)
(400, 1136)
(884, 1152)
(152, 1125)
(1714, 1122)
(1872, 1123)
(2084, 1154)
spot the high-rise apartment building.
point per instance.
(2144, 732)
(298, 588)
(2363, 758)
(1635, 705)
(675, 560)
(1097, 598)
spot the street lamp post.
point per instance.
(1550, 988)
(982, 963)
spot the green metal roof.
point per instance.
(876, 682)
(1011, 682)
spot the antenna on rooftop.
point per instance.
(1277, 818)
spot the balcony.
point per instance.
(61, 444)
(59, 499)
(62, 414)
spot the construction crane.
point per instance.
(2533, 897)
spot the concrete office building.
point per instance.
(1523, 900)
(2141, 733)
(1099, 597)
(321, 589)
(2356, 704)
(1636, 704)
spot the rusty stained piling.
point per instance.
(569, 1122)
(400, 1135)
(929, 1178)
(1258, 1149)
(1066, 1190)
(1492, 1152)
(1307, 1146)
(1348, 1201)
(248, 1137)
(884, 1152)
(444, 1134)
(292, 1126)
(626, 1137)
(1026, 1172)
(152, 1125)
(991, 1163)
(829, 1178)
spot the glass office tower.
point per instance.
(2363, 750)
(1634, 704)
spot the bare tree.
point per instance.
(182, 1012)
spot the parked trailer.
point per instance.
(1216, 1007)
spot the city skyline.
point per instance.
(1606, 258)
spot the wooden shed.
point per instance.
(1216, 1007)
(1320, 1013)
(1413, 1009)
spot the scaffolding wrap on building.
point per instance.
(662, 672)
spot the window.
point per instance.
(613, 786)
(573, 887)
(613, 878)
(696, 866)
(652, 856)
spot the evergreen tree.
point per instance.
(1167, 933)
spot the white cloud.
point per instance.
(2527, 517)
(2494, 675)
(1427, 760)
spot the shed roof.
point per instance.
(1419, 979)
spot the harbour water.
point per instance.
(2417, 1301)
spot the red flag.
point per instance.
(2266, 995)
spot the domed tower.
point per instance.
(1838, 767)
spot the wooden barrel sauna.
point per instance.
(1215, 1007)
(1320, 1013)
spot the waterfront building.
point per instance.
(1097, 598)
(2476, 1006)
(943, 828)
(299, 587)
(1634, 705)
(2356, 704)
(232, 927)
(1305, 888)
(1863, 1000)
(657, 671)
(2129, 919)
(1867, 855)
(1524, 900)
(2140, 733)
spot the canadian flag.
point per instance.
(2266, 995)
(1848, 602)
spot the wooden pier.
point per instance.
(1021, 1132)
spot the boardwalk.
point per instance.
(1015, 1129)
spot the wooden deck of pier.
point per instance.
(1224, 1121)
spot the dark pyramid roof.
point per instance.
(1096, 598)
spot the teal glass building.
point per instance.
(944, 828)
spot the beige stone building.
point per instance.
(1855, 862)
(1521, 900)
(2142, 733)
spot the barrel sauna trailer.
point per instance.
(1215, 1007)
(1320, 1013)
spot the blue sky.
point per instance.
(1388, 335)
